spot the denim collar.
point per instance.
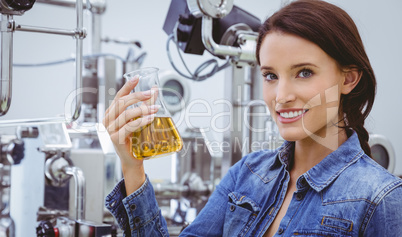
(322, 174)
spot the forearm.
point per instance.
(134, 177)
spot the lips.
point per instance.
(290, 115)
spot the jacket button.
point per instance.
(232, 207)
(280, 231)
(133, 207)
(299, 196)
(137, 220)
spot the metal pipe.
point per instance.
(63, 3)
(96, 34)
(78, 60)
(170, 190)
(37, 29)
(7, 28)
(28, 122)
(6, 64)
(95, 6)
(79, 179)
(211, 45)
(176, 191)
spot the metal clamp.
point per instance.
(7, 24)
(244, 53)
(212, 8)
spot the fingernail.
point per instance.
(147, 93)
(149, 117)
(134, 79)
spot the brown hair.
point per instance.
(334, 31)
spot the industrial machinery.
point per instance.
(235, 31)
(77, 162)
(9, 26)
(194, 177)
(228, 33)
(55, 215)
(382, 151)
(11, 153)
(60, 211)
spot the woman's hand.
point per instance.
(120, 122)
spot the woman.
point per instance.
(319, 87)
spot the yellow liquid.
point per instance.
(157, 138)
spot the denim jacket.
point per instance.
(346, 194)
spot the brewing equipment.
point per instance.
(73, 154)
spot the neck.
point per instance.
(311, 150)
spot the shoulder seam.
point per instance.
(371, 209)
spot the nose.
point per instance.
(284, 92)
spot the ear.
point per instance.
(352, 77)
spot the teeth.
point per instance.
(292, 114)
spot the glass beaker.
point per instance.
(160, 137)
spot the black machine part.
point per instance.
(17, 151)
(189, 27)
(45, 229)
(14, 149)
(17, 5)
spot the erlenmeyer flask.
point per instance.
(159, 138)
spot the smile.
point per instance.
(291, 115)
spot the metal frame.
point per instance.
(7, 27)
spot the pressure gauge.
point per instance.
(212, 8)
(175, 90)
(382, 151)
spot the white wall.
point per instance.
(41, 92)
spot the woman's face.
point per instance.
(301, 87)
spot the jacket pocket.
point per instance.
(241, 212)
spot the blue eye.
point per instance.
(270, 77)
(305, 73)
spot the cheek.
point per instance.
(269, 96)
(269, 99)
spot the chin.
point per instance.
(293, 135)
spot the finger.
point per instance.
(131, 127)
(132, 114)
(154, 96)
(126, 89)
(120, 105)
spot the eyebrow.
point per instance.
(292, 67)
